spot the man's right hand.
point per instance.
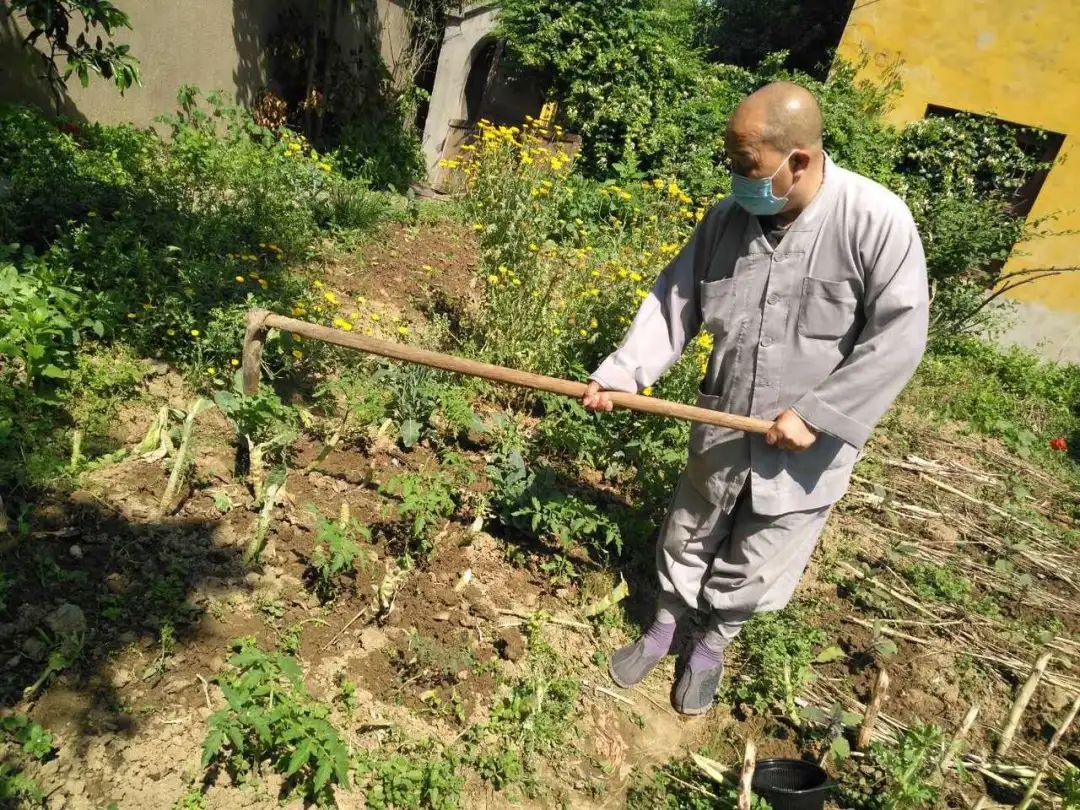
(595, 398)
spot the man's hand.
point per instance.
(790, 432)
(595, 398)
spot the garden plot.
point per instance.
(424, 647)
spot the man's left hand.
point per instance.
(790, 432)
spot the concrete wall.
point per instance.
(1018, 61)
(212, 44)
(465, 36)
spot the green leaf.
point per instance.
(841, 747)
(829, 654)
(299, 757)
(214, 740)
(410, 432)
(322, 775)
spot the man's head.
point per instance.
(776, 132)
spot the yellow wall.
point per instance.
(1018, 60)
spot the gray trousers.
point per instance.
(734, 562)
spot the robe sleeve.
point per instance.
(850, 401)
(669, 317)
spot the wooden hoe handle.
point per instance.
(260, 321)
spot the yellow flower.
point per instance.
(234, 362)
(647, 391)
(194, 332)
(635, 276)
(504, 269)
(583, 332)
(211, 370)
(533, 247)
(324, 166)
(298, 311)
(403, 330)
(426, 268)
(477, 226)
(375, 316)
(594, 323)
(494, 279)
(263, 283)
(341, 323)
(316, 284)
(517, 281)
(239, 279)
(170, 332)
(641, 293)
(330, 297)
(297, 353)
(132, 316)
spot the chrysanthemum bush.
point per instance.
(565, 264)
(565, 261)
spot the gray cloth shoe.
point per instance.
(695, 692)
(630, 664)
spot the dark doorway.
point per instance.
(477, 83)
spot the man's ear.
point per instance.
(799, 161)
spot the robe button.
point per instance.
(766, 341)
(772, 299)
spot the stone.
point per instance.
(942, 533)
(120, 678)
(76, 552)
(1056, 697)
(116, 582)
(176, 685)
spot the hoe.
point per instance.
(260, 321)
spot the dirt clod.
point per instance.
(511, 644)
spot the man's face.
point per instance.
(750, 156)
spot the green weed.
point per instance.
(776, 651)
(898, 777)
(419, 777)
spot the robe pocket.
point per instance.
(827, 310)
(717, 303)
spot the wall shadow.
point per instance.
(21, 79)
(252, 24)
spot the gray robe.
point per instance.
(832, 324)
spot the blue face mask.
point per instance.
(755, 195)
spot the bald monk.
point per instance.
(812, 281)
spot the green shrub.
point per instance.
(383, 148)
